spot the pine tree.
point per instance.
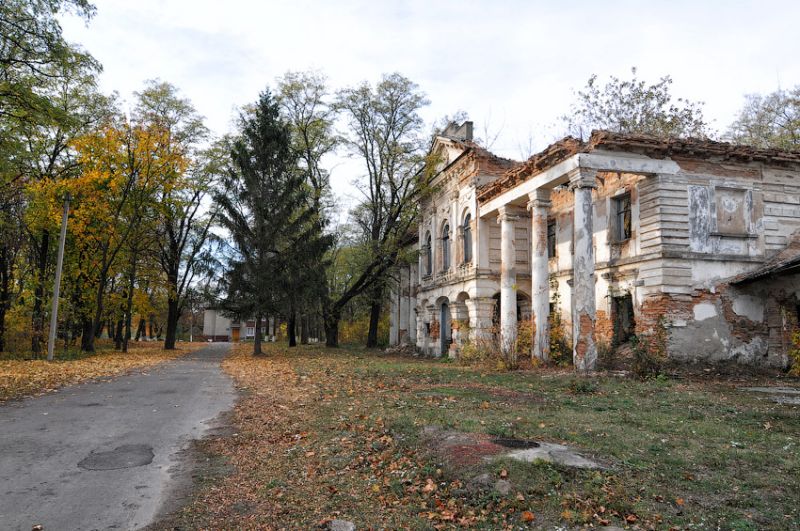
(262, 207)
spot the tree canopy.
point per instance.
(634, 106)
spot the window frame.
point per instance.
(428, 254)
(620, 235)
(446, 247)
(467, 244)
(552, 243)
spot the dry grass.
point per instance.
(20, 378)
(322, 434)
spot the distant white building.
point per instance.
(216, 326)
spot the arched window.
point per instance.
(446, 247)
(467, 239)
(428, 254)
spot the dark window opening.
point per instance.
(623, 218)
(428, 255)
(467, 239)
(551, 239)
(623, 318)
(446, 248)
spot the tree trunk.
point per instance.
(111, 329)
(37, 317)
(331, 323)
(129, 304)
(257, 339)
(290, 329)
(2, 326)
(118, 334)
(6, 266)
(304, 330)
(140, 330)
(173, 315)
(87, 335)
(374, 318)
(152, 332)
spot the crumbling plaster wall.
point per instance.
(717, 221)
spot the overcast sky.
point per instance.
(511, 65)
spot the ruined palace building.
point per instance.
(618, 235)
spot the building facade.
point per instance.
(618, 235)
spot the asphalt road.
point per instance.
(106, 455)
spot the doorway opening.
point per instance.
(623, 319)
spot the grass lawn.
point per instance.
(322, 434)
(20, 377)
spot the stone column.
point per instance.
(412, 305)
(432, 339)
(421, 338)
(394, 314)
(584, 351)
(402, 334)
(481, 311)
(539, 206)
(508, 280)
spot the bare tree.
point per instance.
(384, 128)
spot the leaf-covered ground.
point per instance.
(323, 434)
(19, 377)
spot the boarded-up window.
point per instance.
(699, 219)
(731, 210)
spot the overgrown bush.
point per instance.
(650, 352)
(606, 355)
(560, 343)
(476, 352)
(794, 354)
(583, 386)
(355, 331)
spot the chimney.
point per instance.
(459, 132)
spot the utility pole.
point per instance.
(57, 284)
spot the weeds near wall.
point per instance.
(650, 351)
(606, 355)
(794, 354)
(560, 340)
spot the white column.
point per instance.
(403, 281)
(394, 314)
(584, 352)
(540, 272)
(508, 280)
(412, 306)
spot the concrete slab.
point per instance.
(553, 453)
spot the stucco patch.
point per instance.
(750, 307)
(703, 311)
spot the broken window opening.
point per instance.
(467, 239)
(428, 255)
(551, 239)
(622, 208)
(446, 247)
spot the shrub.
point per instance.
(583, 386)
(606, 355)
(794, 354)
(650, 352)
(560, 339)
